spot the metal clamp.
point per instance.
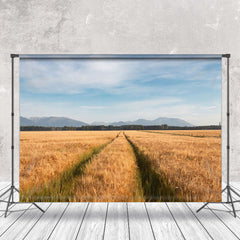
(14, 55)
(228, 55)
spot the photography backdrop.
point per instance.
(120, 128)
(132, 27)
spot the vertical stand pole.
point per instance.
(12, 113)
(228, 188)
(11, 196)
(228, 132)
(13, 188)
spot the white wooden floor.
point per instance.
(119, 221)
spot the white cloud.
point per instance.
(208, 107)
(149, 103)
(72, 76)
(92, 107)
(76, 76)
(118, 77)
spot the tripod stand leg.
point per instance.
(202, 207)
(5, 192)
(235, 192)
(32, 203)
(12, 196)
(229, 193)
(224, 189)
(38, 207)
(8, 203)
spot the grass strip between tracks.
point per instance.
(63, 187)
(155, 185)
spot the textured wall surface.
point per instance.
(119, 26)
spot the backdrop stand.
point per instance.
(228, 188)
(13, 188)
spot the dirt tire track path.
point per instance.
(112, 175)
(63, 187)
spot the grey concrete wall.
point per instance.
(120, 26)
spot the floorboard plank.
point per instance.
(215, 222)
(93, 224)
(139, 224)
(164, 226)
(16, 211)
(117, 222)
(43, 228)
(20, 228)
(189, 225)
(224, 213)
(214, 226)
(68, 226)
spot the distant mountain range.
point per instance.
(51, 122)
(62, 121)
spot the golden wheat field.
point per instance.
(190, 165)
(112, 175)
(181, 165)
(194, 133)
(43, 155)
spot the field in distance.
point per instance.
(194, 133)
(169, 165)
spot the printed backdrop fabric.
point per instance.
(120, 129)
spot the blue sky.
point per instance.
(122, 89)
